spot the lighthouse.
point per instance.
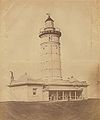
(50, 51)
(51, 86)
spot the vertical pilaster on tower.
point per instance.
(50, 51)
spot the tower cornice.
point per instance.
(44, 32)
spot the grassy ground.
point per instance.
(79, 110)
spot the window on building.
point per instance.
(34, 91)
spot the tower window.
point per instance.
(56, 46)
(34, 91)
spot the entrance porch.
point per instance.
(60, 95)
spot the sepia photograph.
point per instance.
(49, 59)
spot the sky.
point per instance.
(21, 21)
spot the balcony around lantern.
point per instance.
(50, 31)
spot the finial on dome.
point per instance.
(49, 18)
(48, 14)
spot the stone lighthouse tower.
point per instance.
(50, 51)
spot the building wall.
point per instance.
(84, 93)
(45, 95)
(18, 93)
(39, 91)
(26, 93)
